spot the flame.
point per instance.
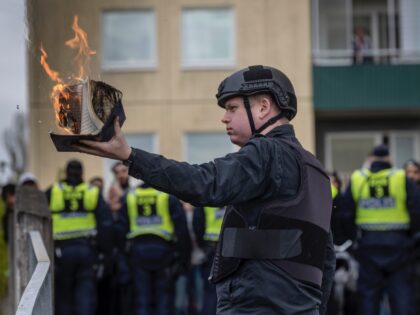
(54, 75)
(63, 95)
(80, 43)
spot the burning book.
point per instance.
(86, 110)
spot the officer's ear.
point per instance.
(266, 106)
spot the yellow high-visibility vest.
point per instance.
(334, 191)
(72, 210)
(148, 213)
(214, 220)
(380, 199)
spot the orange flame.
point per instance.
(80, 43)
(54, 75)
(61, 95)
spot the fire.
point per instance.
(64, 95)
(80, 43)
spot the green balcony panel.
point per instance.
(366, 87)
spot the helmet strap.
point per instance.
(249, 113)
(271, 121)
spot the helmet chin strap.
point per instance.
(249, 113)
(271, 121)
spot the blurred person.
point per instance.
(343, 301)
(362, 47)
(8, 194)
(189, 285)
(278, 194)
(119, 188)
(79, 218)
(28, 179)
(114, 285)
(97, 181)
(159, 245)
(384, 205)
(412, 170)
(7, 206)
(207, 225)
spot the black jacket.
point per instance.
(244, 177)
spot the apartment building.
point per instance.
(167, 57)
(366, 93)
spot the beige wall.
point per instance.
(168, 100)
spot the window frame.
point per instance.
(153, 64)
(184, 142)
(214, 64)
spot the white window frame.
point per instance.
(330, 136)
(392, 140)
(184, 142)
(208, 64)
(333, 57)
(128, 66)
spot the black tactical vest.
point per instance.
(292, 233)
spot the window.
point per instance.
(403, 146)
(145, 141)
(207, 38)
(347, 151)
(382, 31)
(205, 147)
(129, 40)
(342, 145)
(332, 31)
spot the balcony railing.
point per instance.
(343, 57)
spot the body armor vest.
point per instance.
(291, 232)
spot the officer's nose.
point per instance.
(225, 119)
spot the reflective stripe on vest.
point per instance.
(380, 200)
(148, 213)
(214, 219)
(72, 210)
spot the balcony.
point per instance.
(367, 88)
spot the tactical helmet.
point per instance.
(259, 79)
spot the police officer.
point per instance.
(207, 223)
(271, 252)
(383, 204)
(78, 213)
(159, 248)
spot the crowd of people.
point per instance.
(129, 250)
(379, 211)
(142, 250)
(162, 268)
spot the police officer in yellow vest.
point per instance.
(384, 206)
(159, 248)
(78, 212)
(207, 224)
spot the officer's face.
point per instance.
(413, 172)
(121, 174)
(236, 121)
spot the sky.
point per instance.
(13, 91)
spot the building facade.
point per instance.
(167, 57)
(366, 79)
